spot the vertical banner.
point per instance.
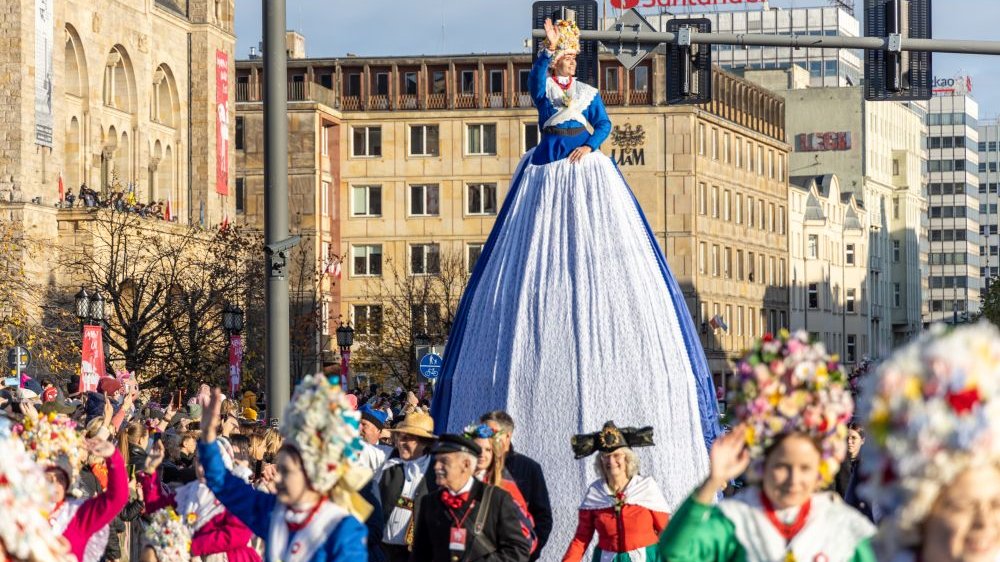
(44, 30)
(235, 364)
(345, 363)
(92, 359)
(222, 123)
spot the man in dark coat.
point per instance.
(528, 476)
(466, 521)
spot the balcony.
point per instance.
(297, 91)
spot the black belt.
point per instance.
(564, 132)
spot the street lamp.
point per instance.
(232, 319)
(232, 323)
(345, 339)
(89, 308)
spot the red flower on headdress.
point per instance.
(963, 402)
(768, 337)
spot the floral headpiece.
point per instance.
(788, 385)
(569, 38)
(168, 536)
(481, 431)
(323, 428)
(53, 440)
(24, 495)
(933, 410)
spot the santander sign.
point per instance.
(629, 4)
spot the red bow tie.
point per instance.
(454, 501)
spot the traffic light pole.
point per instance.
(276, 240)
(795, 41)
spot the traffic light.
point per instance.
(897, 75)
(689, 66)
(584, 12)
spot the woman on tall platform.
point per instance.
(572, 316)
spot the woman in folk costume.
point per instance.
(167, 538)
(793, 406)
(571, 297)
(217, 535)
(25, 535)
(316, 515)
(626, 509)
(55, 443)
(490, 470)
(933, 449)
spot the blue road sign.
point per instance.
(430, 366)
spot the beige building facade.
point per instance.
(401, 162)
(829, 266)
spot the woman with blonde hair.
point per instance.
(625, 509)
(932, 458)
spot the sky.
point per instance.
(333, 28)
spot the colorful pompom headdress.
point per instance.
(569, 39)
(53, 440)
(24, 495)
(933, 410)
(786, 385)
(168, 536)
(323, 428)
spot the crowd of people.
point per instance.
(109, 475)
(119, 199)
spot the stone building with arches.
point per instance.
(132, 88)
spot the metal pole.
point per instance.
(795, 41)
(277, 357)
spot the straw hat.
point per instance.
(417, 424)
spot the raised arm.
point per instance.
(540, 70)
(99, 510)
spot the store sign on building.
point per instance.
(628, 145)
(959, 86)
(821, 142)
(629, 4)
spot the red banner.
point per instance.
(92, 359)
(235, 364)
(222, 123)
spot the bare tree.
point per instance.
(408, 305)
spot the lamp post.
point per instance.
(232, 323)
(345, 339)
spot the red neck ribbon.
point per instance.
(787, 530)
(568, 83)
(296, 527)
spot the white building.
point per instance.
(953, 193)
(829, 272)
(989, 218)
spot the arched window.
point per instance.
(119, 81)
(165, 106)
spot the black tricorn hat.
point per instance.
(610, 438)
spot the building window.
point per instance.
(715, 260)
(426, 319)
(482, 139)
(739, 320)
(367, 319)
(353, 85)
(896, 251)
(726, 206)
(367, 260)
(530, 136)
(702, 259)
(425, 200)
(468, 82)
(850, 254)
(439, 82)
(770, 217)
(781, 272)
(424, 140)
(813, 296)
(702, 199)
(852, 348)
(750, 217)
(381, 84)
(750, 267)
(770, 164)
(425, 259)
(367, 141)
(522, 80)
(895, 167)
(715, 143)
(781, 170)
(472, 253)
(727, 261)
(895, 204)
(240, 132)
(715, 201)
(851, 298)
(611, 79)
(749, 156)
(813, 247)
(701, 139)
(739, 208)
(482, 199)
(739, 265)
(640, 79)
(324, 140)
(324, 198)
(496, 82)
(366, 200)
(781, 220)
(739, 153)
(897, 295)
(726, 156)
(410, 83)
(241, 196)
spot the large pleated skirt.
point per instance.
(572, 318)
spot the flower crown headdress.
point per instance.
(323, 428)
(168, 536)
(933, 410)
(787, 385)
(569, 38)
(24, 495)
(53, 440)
